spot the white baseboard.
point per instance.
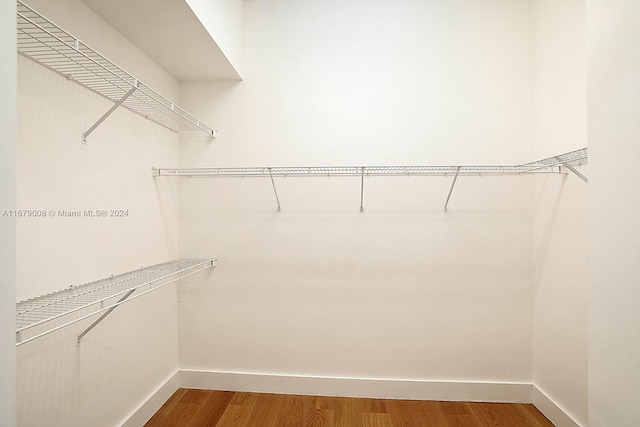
(146, 410)
(357, 387)
(382, 388)
(558, 416)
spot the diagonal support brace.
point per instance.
(273, 183)
(108, 113)
(106, 313)
(362, 190)
(574, 170)
(446, 204)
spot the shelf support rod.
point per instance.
(446, 204)
(574, 170)
(362, 190)
(273, 183)
(105, 314)
(108, 113)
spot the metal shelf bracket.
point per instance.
(574, 170)
(362, 190)
(455, 178)
(273, 183)
(105, 314)
(111, 110)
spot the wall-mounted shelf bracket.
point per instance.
(574, 170)
(273, 183)
(45, 314)
(362, 190)
(455, 178)
(105, 314)
(108, 113)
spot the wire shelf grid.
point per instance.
(44, 42)
(571, 158)
(550, 165)
(35, 316)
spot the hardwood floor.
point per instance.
(204, 408)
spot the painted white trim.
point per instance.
(552, 410)
(383, 388)
(150, 406)
(357, 387)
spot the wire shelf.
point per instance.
(571, 158)
(344, 171)
(44, 42)
(550, 165)
(42, 315)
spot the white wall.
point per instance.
(559, 76)
(7, 224)
(560, 219)
(223, 21)
(132, 352)
(341, 82)
(403, 290)
(614, 209)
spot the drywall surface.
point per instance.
(7, 223)
(560, 292)
(169, 32)
(614, 209)
(127, 356)
(356, 82)
(223, 20)
(560, 220)
(403, 290)
(559, 77)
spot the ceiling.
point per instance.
(169, 33)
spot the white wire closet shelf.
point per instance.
(549, 165)
(44, 42)
(37, 317)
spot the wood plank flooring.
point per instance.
(205, 408)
